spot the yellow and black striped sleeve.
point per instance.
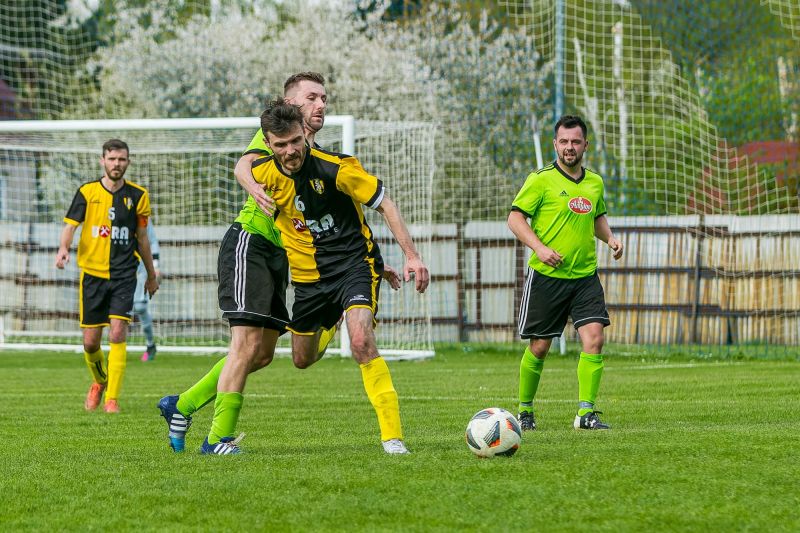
(143, 207)
(357, 183)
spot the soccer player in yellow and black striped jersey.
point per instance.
(334, 261)
(114, 213)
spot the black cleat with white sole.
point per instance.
(526, 421)
(590, 421)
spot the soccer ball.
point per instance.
(493, 431)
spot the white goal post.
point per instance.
(187, 165)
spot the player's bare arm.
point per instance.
(151, 284)
(603, 232)
(519, 226)
(62, 256)
(244, 175)
(397, 225)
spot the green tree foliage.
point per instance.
(41, 48)
(728, 50)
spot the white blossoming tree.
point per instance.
(481, 83)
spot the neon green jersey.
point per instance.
(257, 145)
(562, 213)
(251, 217)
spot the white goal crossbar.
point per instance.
(346, 122)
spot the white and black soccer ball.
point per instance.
(493, 431)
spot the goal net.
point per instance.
(693, 111)
(187, 166)
(697, 139)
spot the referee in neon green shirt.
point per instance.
(565, 205)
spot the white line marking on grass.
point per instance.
(272, 396)
(668, 366)
(500, 400)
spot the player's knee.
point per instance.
(245, 359)
(117, 335)
(303, 361)
(594, 344)
(259, 363)
(251, 353)
(362, 346)
(540, 347)
(246, 345)
(91, 347)
(263, 358)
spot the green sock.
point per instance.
(201, 392)
(226, 414)
(590, 370)
(530, 371)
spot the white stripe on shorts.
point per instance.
(523, 306)
(240, 270)
(589, 318)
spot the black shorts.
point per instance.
(103, 299)
(253, 276)
(321, 304)
(547, 302)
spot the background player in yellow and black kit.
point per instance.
(566, 205)
(334, 262)
(114, 213)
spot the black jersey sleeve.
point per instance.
(77, 211)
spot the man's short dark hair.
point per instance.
(114, 144)
(294, 79)
(569, 122)
(280, 117)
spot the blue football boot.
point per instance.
(177, 423)
(226, 446)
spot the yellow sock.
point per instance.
(324, 339)
(97, 366)
(381, 393)
(117, 359)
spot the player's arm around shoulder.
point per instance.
(603, 232)
(245, 175)
(398, 227)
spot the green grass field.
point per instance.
(695, 446)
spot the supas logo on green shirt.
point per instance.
(580, 205)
